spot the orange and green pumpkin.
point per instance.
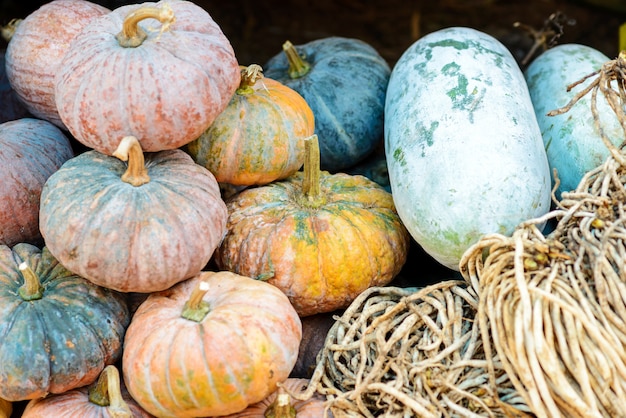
(57, 330)
(258, 137)
(210, 346)
(321, 238)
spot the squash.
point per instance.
(572, 142)
(58, 331)
(281, 404)
(6, 408)
(30, 151)
(258, 137)
(160, 72)
(344, 81)
(210, 346)
(140, 226)
(321, 238)
(107, 397)
(463, 147)
(37, 47)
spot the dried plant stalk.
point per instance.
(413, 352)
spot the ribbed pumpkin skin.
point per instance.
(346, 90)
(165, 92)
(322, 258)
(257, 139)
(30, 151)
(35, 51)
(61, 341)
(127, 238)
(311, 408)
(234, 357)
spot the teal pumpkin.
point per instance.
(344, 81)
(58, 331)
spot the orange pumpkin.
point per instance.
(258, 137)
(161, 72)
(6, 408)
(210, 346)
(107, 397)
(280, 404)
(321, 238)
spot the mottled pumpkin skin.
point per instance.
(61, 341)
(310, 408)
(346, 89)
(35, 51)
(233, 357)
(30, 151)
(133, 238)
(258, 137)
(165, 92)
(323, 257)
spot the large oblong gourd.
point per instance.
(572, 142)
(463, 146)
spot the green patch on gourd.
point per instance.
(461, 99)
(398, 155)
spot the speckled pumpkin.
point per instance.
(106, 398)
(57, 330)
(344, 81)
(30, 151)
(210, 346)
(38, 45)
(280, 404)
(140, 226)
(161, 72)
(258, 137)
(321, 238)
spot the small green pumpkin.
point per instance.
(57, 330)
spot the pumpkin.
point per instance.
(36, 48)
(140, 226)
(210, 346)
(258, 137)
(321, 238)
(344, 81)
(30, 151)
(107, 397)
(161, 72)
(6, 408)
(281, 404)
(58, 331)
(11, 107)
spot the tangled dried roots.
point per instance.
(404, 353)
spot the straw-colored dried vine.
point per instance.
(553, 308)
(412, 353)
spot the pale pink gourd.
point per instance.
(163, 80)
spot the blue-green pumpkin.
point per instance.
(344, 81)
(58, 331)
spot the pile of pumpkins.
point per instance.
(169, 216)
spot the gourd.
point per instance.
(58, 331)
(463, 147)
(321, 238)
(140, 226)
(6, 408)
(161, 72)
(344, 81)
(107, 397)
(30, 151)
(210, 346)
(37, 47)
(573, 144)
(258, 137)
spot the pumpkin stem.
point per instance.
(311, 192)
(130, 150)
(195, 308)
(281, 407)
(298, 66)
(249, 76)
(9, 29)
(32, 288)
(108, 393)
(132, 35)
